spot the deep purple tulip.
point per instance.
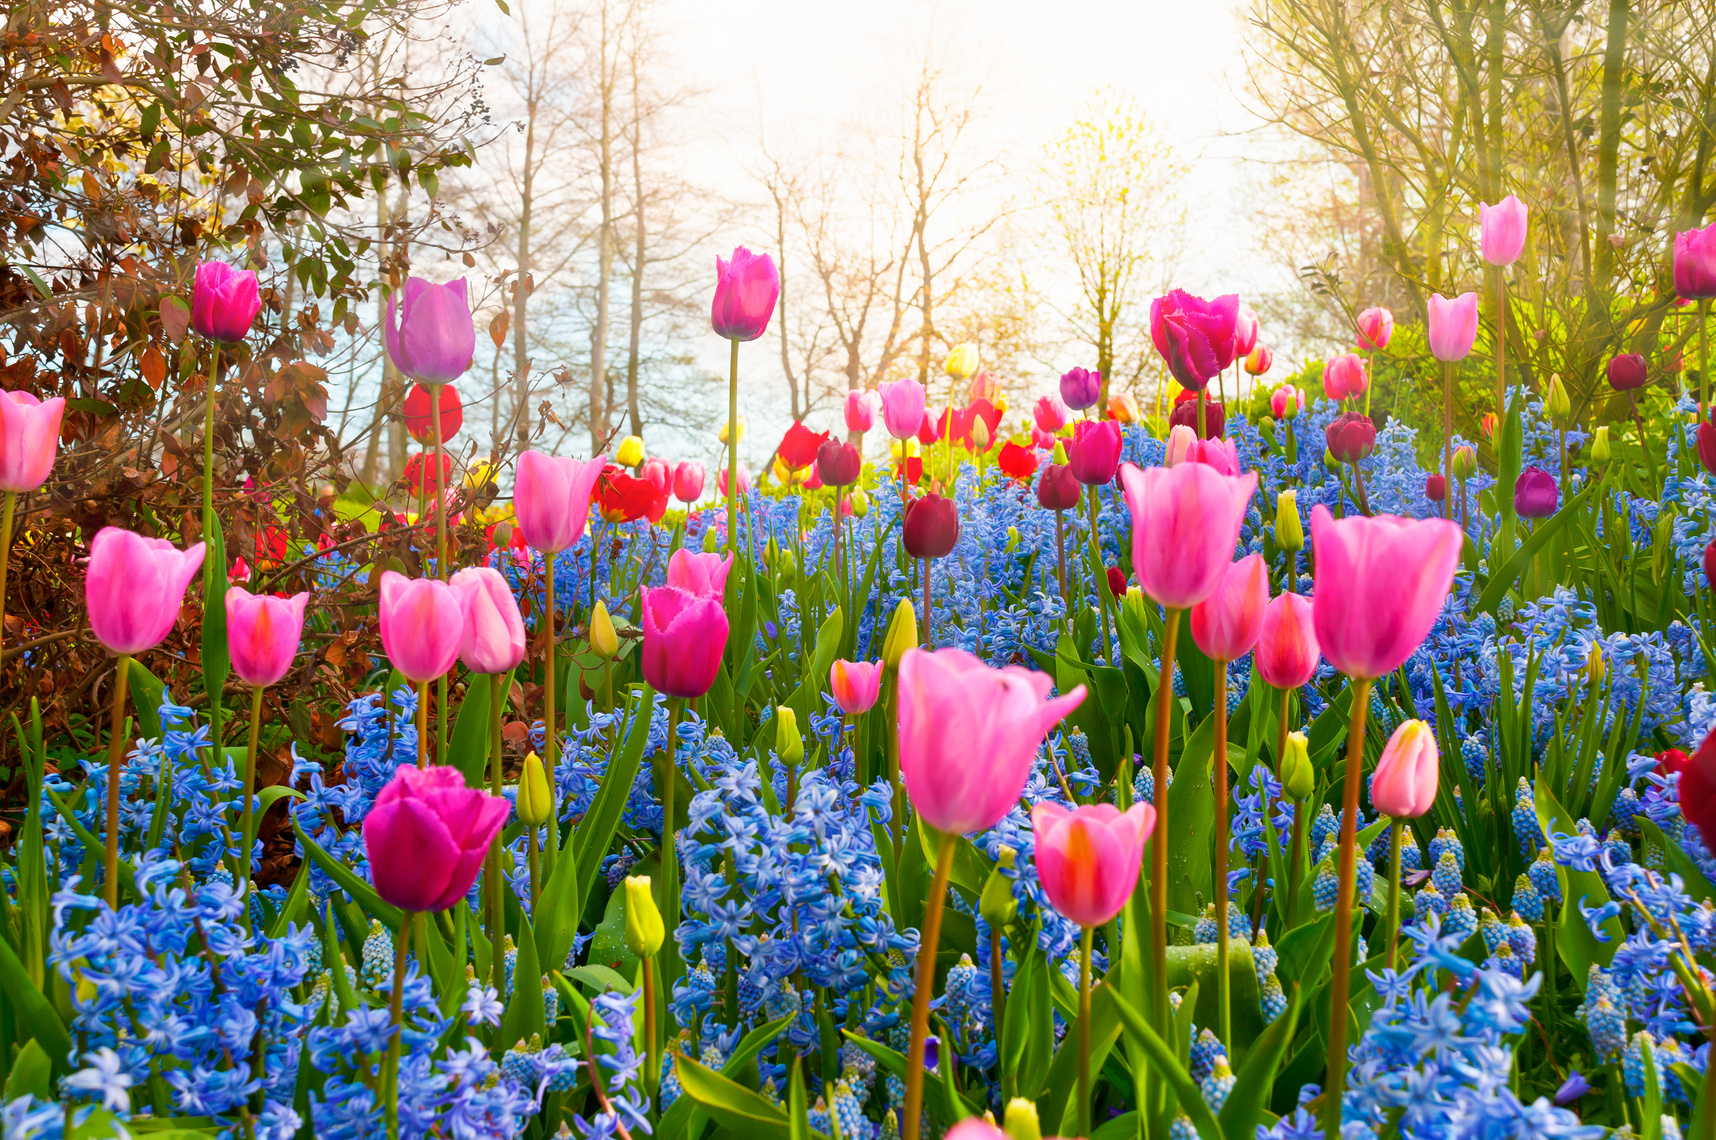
(1435, 487)
(1080, 389)
(1057, 488)
(224, 301)
(1628, 371)
(1195, 336)
(1695, 263)
(746, 289)
(1351, 437)
(1094, 451)
(431, 337)
(1186, 412)
(1535, 494)
(838, 463)
(932, 527)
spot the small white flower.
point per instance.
(482, 1005)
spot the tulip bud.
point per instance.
(644, 929)
(630, 453)
(711, 541)
(786, 564)
(1021, 1121)
(1600, 445)
(789, 743)
(1289, 527)
(1330, 463)
(997, 904)
(534, 803)
(724, 426)
(603, 639)
(902, 634)
(859, 501)
(961, 363)
(1465, 462)
(1297, 778)
(1060, 456)
(503, 535)
(1596, 668)
(980, 434)
(1555, 402)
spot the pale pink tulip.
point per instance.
(1185, 524)
(1225, 625)
(1404, 785)
(29, 439)
(262, 634)
(493, 640)
(551, 499)
(422, 625)
(702, 574)
(1380, 583)
(134, 587)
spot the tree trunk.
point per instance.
(635, 347)
(600, 398)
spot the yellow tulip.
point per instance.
(961, 363)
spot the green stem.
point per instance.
(929, 640)
(208, 450)
(535, 864)
(733, 448)
(247, 820)
(396, 1009)
(1159, 841)
(914, 1106)
(1704, 408)
(1101, 573)
(492, 872)
(1339, 984)
(1393, 923)
(997, 1001)
(652, 1047)
(1085, 949)
(1447, 438)
(1224, 996)
(6, 554)
(669, 860)
(423, 724)
(115, 754)
(551, 733)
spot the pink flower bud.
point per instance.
(1375, 328)
(1404, 785)
(697, 573)
(493, 640)
(688, 481)
(1185, 524)
(1380, 583)
(1226, 624)
(1287, 642)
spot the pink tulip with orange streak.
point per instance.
(855, 685)
(1404, 786)
(1088, 857)
(1287, 651)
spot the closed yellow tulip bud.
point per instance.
(534, 801)
(1596, 668)
(1020, 1122)
(630, 452)
(860, 502)
(997, 904)
(1555, 402)
(644, 929)
(902, 634)
(1297, 778)
(1600, 445)
(724, 426)
(1289, 527)
(980, 434)
(1465, 461)
(603, 639)
(789, 742)
(961, 363)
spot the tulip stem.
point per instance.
(733, 447)
(929, 639)
(1447, 434)
(535, 863)
(1159, 841)
(997, 1001)
(6, 554)
(1202, 396)
(1101, 574)
(115, 751)
(1061, 551)
(1704, 408)
(1501, 344)
(1644, 444)
(247, 820)
(669, 860)
(551, 737)
(441, 479)
(1295, 844)
(1224, 997)
(396, 1012)
(1085, 949)
(1393, 923)
(921, 994)
(209, 569)
(492, 872)
(423, 724)
(1280, 766)
(1343, 963)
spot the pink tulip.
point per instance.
(746, 289)
(224, 302)
(855, 685)
(860, 411)
(1380, 583)
(1453, 326)
(684, 636)
(1404, 785)
(422, 625)
(1225, 624)
(1344, 377)
(1502, 230)
(688, 481)
(262, 634)
(1185, 523)
(1244, 332)
(1184, 446)
(974, 1128)
(983, 386)
(493, 640)
(1286, 402)
(657, 474)
(427, 835)
(240, 571)
(969, 734)
(1287, 651)
(1088, 857)
(134, 587)
(1181, 439)
(551, 499)
(744, 480)
(433, 338)
(1195, 337)
(1375, 327)
(1042, 439)
(1695, 264)
(1050, 414)
(1094, 451)
(29, 439)
(902, 407)
(702, 574)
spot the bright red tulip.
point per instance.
(1088, 857)
(1287, 651)
(29, 439)
(262, 634)
(1226, 624)
(493, 639)
(1698, 788)
(419, 473)
(625, 498)
(1017, 462)
(684, 636)
(1380, 584)
(134, 586)
(797, 448)
(1404, 785)
(422, 625)
(427, 835)
(1185, 524)
(551, 499)
(417, 417)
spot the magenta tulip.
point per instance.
(1380, 583)
(1080, 388)
(1287, 651)
(1627, 372)
(1226, 624)
(1185, 524)
(134, 587)
(860, 411)
(688, 481)
(746, 289)
(1057, 488)
(493, 640)
(224, 302)
(433, 338)
(1535, 493)
(29, 439)
(1088, 857)
(1404, 785)
(684, 636)
(704, 575)
(1195, 337)
(838, 463)
(969, 734)
(422, 625)
(1350, 436)
(1502, 230)
(1094, 451)
(1344, 377)
(551, 499)
(855, 685)
(1453, 326)
(1375, 327)
(1051, 414)
(1695, 263)
(902, 407)
(427, 835)
(1244, 333)
(262, 634)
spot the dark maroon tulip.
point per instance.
(1435, 488)
(1351, 437)
(1535, 494)
(1707, 445)
(1710, 564)
(1698, 788)
(1627, 371)
(838, 463)
(932, 527)
(1195, 337)
(1186, 412)
(1117, 581)
(1057, 488)
(1094, 452)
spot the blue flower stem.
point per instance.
(1393, 922)
(115, 752)
(923, 992)
(1159, 841)
(1340, 983)
(247, 819)
(396, 1012)
(1224, 994)
(1085, 949)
